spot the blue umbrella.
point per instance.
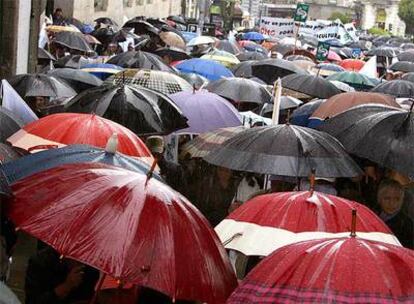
(253, 47)
(255, 36)
(300, 116)
(188, 36)
(334, 42)
(41, 161)
(210, 69)
(101, 70)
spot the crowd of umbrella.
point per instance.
(75, 193)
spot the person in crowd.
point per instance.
(248, 186)
(111, 50)
(58, 18)
(390, 198)
(52, 280)
(36, 103)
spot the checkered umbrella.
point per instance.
(206, 142)
(163, 82)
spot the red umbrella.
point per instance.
(340, 270)
(352, 64)
(137, 230)
(268, 222)
(68, 128)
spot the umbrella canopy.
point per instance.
(59, 130)
(259, 150)
(61, 28)
(283, 48)
(310, 85)
(143, 111)
(344, 87)
(332, 56)
(72, 40)
(384, 51)
(101, 70)
(408, 77)
(244, 69)
(32, 85)
(172, 39)
(240, 90)
(406, 56)
(397, 88)
(140, 60)
(267, 222)
(106, 20)
(204, 67)
(188, 36)
(73, 61)
(355, 80)
(163, 82)
(300, 116)
(286, 103)
(382, 135)
(196, 80)
(174, 53)
(78, 79)
(342, 270)
(43, 54)
(8, 154)
(206, 142)
(9, 124)
(345, 101)
(120, 208)
(253, 36)
(73, 154)
(229, 46)
(206, 111)
(352, 64)
(225, 58)
(201, 40)
(141, 27)
(402, 66)
(245, 56)
(297, 57)
(407, 46)
(270, 70)
(327, 69)
(253, 47)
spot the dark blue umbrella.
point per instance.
(48, 159)
(254, 36)
(253, 47)
(102, 70)
(210, 69)
(300, 116)
(188, 36)
(334, 42)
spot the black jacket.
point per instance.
(402, 226)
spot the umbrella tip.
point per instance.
(112, 144)
(353, 226)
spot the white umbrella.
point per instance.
(201, 40)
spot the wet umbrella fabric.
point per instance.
(32, 85)
(244, 69)
(141, 110)
(397, 88)
(100, 204)
(240, 90)
(406, 56)
(253, 47)
(408, 77)
(73, 154)
(101, 70)
(9, 124)
(259, 150)
(73, 61)
(43, 54)
(72, 40)
(245, 56)
(352, 64)
(204, 67)
(175, 53)
(163, 82)
(78, 79)
(383, 137)
(402, 66)
(8, 154)
(228, 46)
(140, 60)
(270, 70)
(355, 80)
(194, 79)
(254, 36)
(106, 20)
(321, 271)
(206, 111)
(267, 222)
(383, 52)
(310, 85)
(300, 116)
(59, 130)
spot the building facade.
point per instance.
(118, 10)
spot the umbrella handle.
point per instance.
(98, 288)
(353, 226)
(42, 147)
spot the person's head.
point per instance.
(58, 12)
(390, 196)
(112, 48)
(156, 145)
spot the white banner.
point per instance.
(350, 28)
(276, 27)
(334, 32)
(310, 28)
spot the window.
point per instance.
(139, 2)
(100, 5)
(128, 3)
(149, 1)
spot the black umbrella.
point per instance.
(196, 80)
(140, 60)
(231, 47)
(407, 46)
(141, 110)
(9, 153)
(364, 45)
(282, 48)
(286, 150)
(245, 56)
(406, 56)
(383, 135)
(73, 61)
(73, 40)
(78, 79)
(176, 54)
(32, 85)
(310, 85)
(384, 51)
(240, 90)
(298, 57)
(244, 69)
(270, 70)
(106, 20)
(397, 88)
(402, 66)
(43, 54)
(141, 27)
(9, 124)
(177, 19)
(107, 35)
(408, 76)
(286, 103)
